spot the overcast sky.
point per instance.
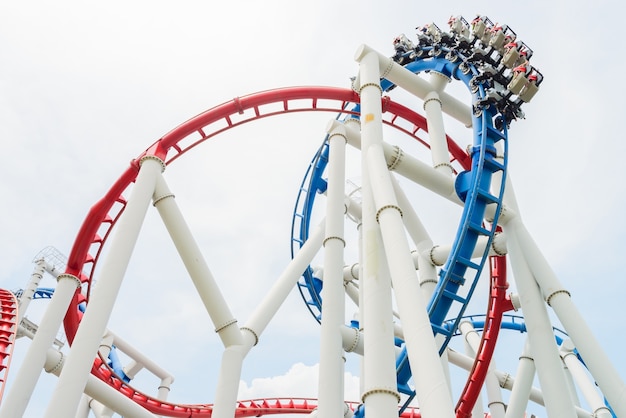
(86, 87)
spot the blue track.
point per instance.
(460, 274)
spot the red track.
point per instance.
(8, 329)
(104, 214)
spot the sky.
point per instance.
(86, 87)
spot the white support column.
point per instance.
(431, 386)
(580, 333)
(201, 276)
(380, 394)
(331, 372)
(520, 391)
(83, 407)
(29, 292)
(98, 390)
(281, 288)
(16, 401)
(416, 85)
(540, 335)
(223, 320)
(436, 130)
(587, 387)
(72, 381)
(422, 240)
(494, 396)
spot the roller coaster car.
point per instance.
(516, 54)
(525, 82)
(459, 26)
(500, 36)
(481, 28)
(403, 47)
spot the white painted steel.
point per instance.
(411, 168)
(415, 85)
(587, 387)
(436, 131)
(23, 386)
(520, 392)
(72, 380)
(98, 390)
(574, 323)
(494, 396)
(83, 407)
(140, 361)
(281, 288)
(331, 371)
(540, 335)
(425, 175)
(216, 306)
(380, 394)
(31, 287)
(430, 385)
(508, 382)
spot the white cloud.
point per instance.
(300, 381)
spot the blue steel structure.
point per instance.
(486, 68)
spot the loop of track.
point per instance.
(102, 217)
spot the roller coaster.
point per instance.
(366, 249)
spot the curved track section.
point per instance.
(8, 331)
(103, 216)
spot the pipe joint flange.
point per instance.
(153, 158)
(445, 165)
(332, 238)
(431, 256)
(397, 158)
(380, 390)
(549, 298)
(158, 199)
(432, 99)
(387, 69)
(385, 208)
(336, 133)
(502, 250)
(71, 277)
(370, 85)
(254, 334)
(355, 275)
(59, 364)
(434, 281)
(355, 341)
(225, 325)
(496, 403)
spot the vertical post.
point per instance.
(436, 131)
(431, 385)
(29, 292)
(331, 373)
(71, 383)
(23, 386)
(380, 394)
